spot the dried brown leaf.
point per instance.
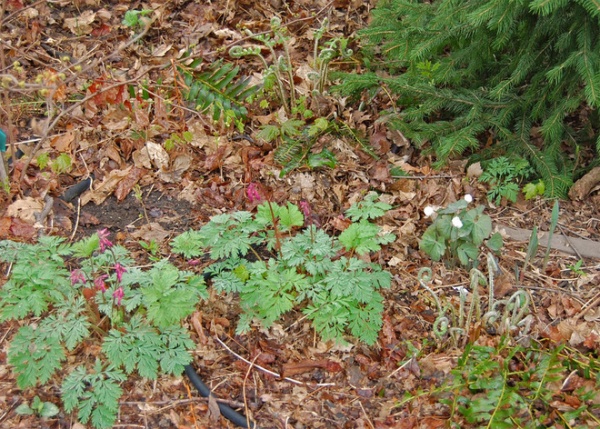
(106, 188)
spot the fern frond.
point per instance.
(290, 152)
(217, 89)
(557, 183)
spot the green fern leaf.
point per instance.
(218, 89)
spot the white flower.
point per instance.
(461, 290)
(468, 198)
(429, 211)
(456, 222)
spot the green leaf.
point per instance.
(24, 410)
(131, 18)
(134, 346)
(361, 237)
(366, 320)
(69, 324)
(467, 252)
(290, 216)
(166, 299)
(269, 133)
(368, 208)
(48, 410)
(432, 244)
(174, 354)
(267, 213)
(482, 228)
(322, 159)
(553, 223)
(189, 244)
(94, 394)
(495, 242)
(62, 163)
(530, 190)
(321, 124)
(35, 356)
(218, 90)
(85, 247)
(292, 127)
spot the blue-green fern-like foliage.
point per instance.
(514, 72)
(218, 90)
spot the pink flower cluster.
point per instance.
(78, 276)
(253, 194)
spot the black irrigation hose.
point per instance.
(227, 412)
(77, 189)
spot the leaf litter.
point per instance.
(117, 136)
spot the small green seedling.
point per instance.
(38, 408)
(136, 18)
(152, 248)
(576, 268)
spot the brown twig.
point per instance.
(244, 391)
(591, 303)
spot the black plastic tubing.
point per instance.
(226, 411)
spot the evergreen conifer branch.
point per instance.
(463, 69)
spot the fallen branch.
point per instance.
(571, 245)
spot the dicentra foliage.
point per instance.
(276, 266)
(524, 75)
(129, 318)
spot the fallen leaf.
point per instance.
(62, 143)
(81, 24)
(213, 409)
(22, 229)
(151, 231)
(5, 224)
(197, 324)
(340, 223)
(214, 161)
(161, 50)
(180, 165)
(106, 188)
(125, 185)
(25, 209)
(380, 172)
(157, 154)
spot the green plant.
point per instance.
(136, 18)
(576, 268)
(294, 135)
(512, 386)
(533, 245)
(514, 74)
(131, 317)
(39, 408)
(457, 234)
(153, 249)
(62, 163)
(505, 316)
(504, 175)
(177, 139)
(533, 189)
(553, 224)
(43, 159)
(276, 267)
(218, 90)
(279, 70)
